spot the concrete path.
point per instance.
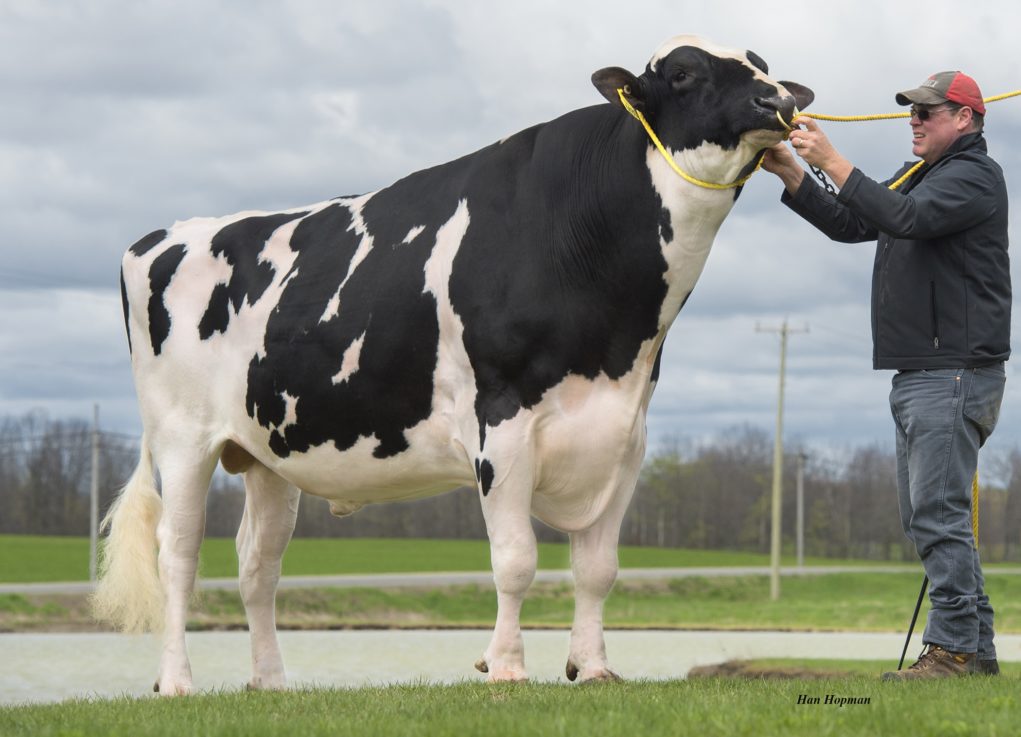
(484, 578)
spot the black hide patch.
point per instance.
(160, 274)
(486, 475)
(146, 244)
(382, 303)
(240, 243)
(560, 271)
(757, 61)
(656, 366)
(125, 308)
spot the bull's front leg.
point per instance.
(506, 506)
(594, 563)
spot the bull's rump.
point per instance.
(301, 323)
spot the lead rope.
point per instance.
(637, 114)
(621, 91)
(883, 116)
(819, 172)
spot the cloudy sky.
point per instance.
(122, 116)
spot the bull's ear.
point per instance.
(611, 79)
(802, 95)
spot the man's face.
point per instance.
(942, 126)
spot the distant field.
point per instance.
(849, 601)
(25, 558)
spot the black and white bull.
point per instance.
(495, 321)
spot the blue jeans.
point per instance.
(943, 417)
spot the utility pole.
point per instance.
(94, 495)
(774, 577)
(801, 510)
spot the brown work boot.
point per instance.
(936, 662)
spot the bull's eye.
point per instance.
(681, 79)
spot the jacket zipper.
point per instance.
(935, 315)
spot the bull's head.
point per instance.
(694, 93)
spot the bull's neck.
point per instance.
(695, 216)
(654, 211)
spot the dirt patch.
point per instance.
(751, 669)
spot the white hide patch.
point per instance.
(695, 217)
(708, 46)
(453, 380)
(349, 364)
(355, 205)
(290, 410)
(413, 233)
(187, 296)
(332, 308)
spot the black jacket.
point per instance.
(941, 283)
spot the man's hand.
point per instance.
(779, 160)
(812, 145)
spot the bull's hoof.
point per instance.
(266, 684)
(172, 690)
(572, 671)
(501, 673)
(603, 676)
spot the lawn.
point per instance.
(847, 706)
(25, 558)
(880, 602)
(698, 706)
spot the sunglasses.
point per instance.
(924, 113)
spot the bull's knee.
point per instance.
(514, 565)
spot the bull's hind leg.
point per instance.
(271, 507)
(185, 477)
(506, 506)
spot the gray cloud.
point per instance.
(122, 117)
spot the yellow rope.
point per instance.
(670, 159)
(974, 508)
(891, 116)
(855, 118)
(815, 116)
(907, 174)
(1004, 96)
(895, 185)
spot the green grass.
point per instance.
(971, 707)
(880, 602)
(27, 558)
(846, 601)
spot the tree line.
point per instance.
(712, 494)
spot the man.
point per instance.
(941, 302)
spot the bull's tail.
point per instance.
(128, 593)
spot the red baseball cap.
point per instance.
(955, 87)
